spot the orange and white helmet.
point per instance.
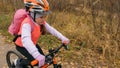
(37, 6)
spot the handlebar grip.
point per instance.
(34, 62)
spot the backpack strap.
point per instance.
(15, 38)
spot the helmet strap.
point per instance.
(34, 17)
(27, 8)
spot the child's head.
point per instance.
(37, 8)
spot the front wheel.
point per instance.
(11, 56)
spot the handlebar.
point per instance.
(51, 54)
(54, 51)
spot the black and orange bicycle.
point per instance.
(50, 58)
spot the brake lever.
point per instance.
(65, 46)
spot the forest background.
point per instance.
(93, 27)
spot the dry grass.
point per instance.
(94, 34)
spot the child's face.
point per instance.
(40, 20)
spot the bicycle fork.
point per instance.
(54, 63)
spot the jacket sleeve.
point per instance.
(27, 42)
(54, 32)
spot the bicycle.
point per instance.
(50, 58)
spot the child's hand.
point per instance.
(41, 60)
(66, 41)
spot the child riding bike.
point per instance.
(30, 31)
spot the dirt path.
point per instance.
(4, 47)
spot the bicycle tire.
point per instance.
(10, 61)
